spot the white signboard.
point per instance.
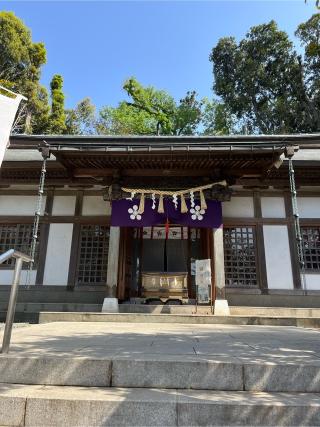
(203, 280)
(8, 110)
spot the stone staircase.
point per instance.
(157, 391)
(160, 374)
(307, 319)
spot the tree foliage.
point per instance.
(82, 119)
(217, 119)
(171, 118)
(265, 83)
(57, 116)
(151, 112)
(125, 120)
(20, 66)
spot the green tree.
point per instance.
(157, 103)
(82, 119)
(187, 115)
(57, 117)
(125, 120)
(20, 66)
(151, 112)
(259, 80)
(309, 34)
(217, 119)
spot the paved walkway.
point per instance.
(105, 340)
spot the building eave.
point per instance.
(31, 141)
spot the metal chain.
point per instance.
(297, 226)
(35, 228)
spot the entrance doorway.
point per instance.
(153, 267)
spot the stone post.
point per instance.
(221, 307)
(110, 303)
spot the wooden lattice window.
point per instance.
(240, 256)
(311, 247)
(93, 255)
(18, 237)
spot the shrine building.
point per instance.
(124, 219)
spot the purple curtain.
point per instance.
(125, 214)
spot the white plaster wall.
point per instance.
(6, 277)
(58, 254)
(238, 207)
(95, 205)
(309, 207)
(278, 261)
(19, 205)
(63, 205)
(313, 282)
(273, 207)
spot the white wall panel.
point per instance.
(278, 261)
(63, 205)
(273, 207)
(19, 205)
(309, 207)
(313, 282)
(6, 277)
(95, 205)
(58, 254)
(238, 207)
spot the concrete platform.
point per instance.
(76, 406)
(102, 339)
(308, 322)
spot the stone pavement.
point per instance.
(99, 340)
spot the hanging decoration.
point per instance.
(125, 213)
(153, 197)
(187, 207)
(192, 199)
(184, 207)
(172, 194)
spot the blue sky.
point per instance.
(96, 45)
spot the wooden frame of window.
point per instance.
(311, 248)
(17, 236)
(241, 257)
(92, 262)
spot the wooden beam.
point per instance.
(73, 262)
(260, 249)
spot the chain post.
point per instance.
(45, 152)
(295, 212)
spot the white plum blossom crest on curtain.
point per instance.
(197, 213)
(134, 214)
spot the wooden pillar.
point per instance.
(221, 307)
(113, 262)
(218, 262)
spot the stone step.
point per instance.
(165, 372)
(275, 311)
(307, 322)
(79, 406)
(188, 309)
(55, 306)
(234, 310)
